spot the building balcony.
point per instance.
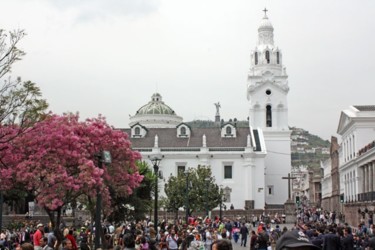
(363, 197)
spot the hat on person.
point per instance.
(293, 239)
(40, 225)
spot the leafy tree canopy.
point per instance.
(20, 102)
(197, 186)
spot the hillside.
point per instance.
(307, 149)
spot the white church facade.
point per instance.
(247, 162)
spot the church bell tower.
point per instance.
(267, 86)
(267, 91)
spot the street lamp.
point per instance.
(155, 162)
(187, 197)
(221, 204)
(102, 157)
(207, 180)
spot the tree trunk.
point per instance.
(55, 223)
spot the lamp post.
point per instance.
(155, 162)
(187, 197)
(221, 204)
(103, 157)
(207, 181)
(1, 210)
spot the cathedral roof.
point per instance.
(167, 138)
(365, 107)
(155, 107)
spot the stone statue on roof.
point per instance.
(217, 105)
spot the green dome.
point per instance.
(155, 107)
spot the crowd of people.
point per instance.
(313, 230)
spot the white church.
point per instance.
(247, 162)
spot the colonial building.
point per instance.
(331, 179)
(354, 162)
(248, 162)
(357, 161)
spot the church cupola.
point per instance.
(265, 31)
(265, 52)
(156, 114)
(267, 86)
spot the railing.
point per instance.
(369, 196)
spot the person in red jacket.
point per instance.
(38, 235)
(70, 237)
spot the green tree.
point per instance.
(124, 206)
(20, 102)
(203, 193)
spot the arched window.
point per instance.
(256, 58)
(268, 116)
(268, 56)
(137, 131)
(183, 131)
(278, 57)
(228, 130)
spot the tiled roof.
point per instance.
(167, 138)
(365, 107)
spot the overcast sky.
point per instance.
(109, 56)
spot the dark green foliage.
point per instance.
(201, 193)
(137, 205)
(212, 124)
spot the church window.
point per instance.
(270, 190)
(268, 56)
(228, 172)
(137, 131)
(256, 58)
(228, 130)
(183, 131)
(268, 116)
(278, 57)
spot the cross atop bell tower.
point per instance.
(265, 12)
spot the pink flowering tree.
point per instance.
(57, 162)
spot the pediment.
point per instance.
(268, 78)
(343, 123)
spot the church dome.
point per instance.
(156, 114)
(265, 24)
(155, 107)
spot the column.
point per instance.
(365, 179)
(346, 187)
(355, 185)
(352, 183)
(370, 177)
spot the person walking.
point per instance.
(347, 241)
(38, 236)
(244, 232)
(331, 240)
